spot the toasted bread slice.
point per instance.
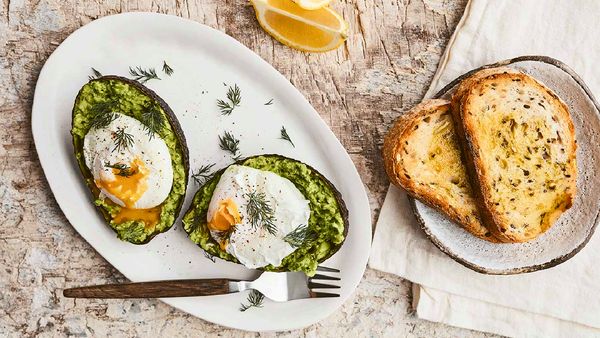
(470, 81)
(519, 143)
(422, 155)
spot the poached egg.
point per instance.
(230, 218)
(134, 173)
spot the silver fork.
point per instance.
(278, 286)
(285, 286)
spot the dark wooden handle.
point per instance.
(172, 288)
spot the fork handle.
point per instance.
(159, 289)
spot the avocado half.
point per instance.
(328, 214)
(131, 98)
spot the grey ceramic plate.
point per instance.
(575, 227)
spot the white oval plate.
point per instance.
(203, 60)
(575, 227)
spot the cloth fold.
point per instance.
(564, 300)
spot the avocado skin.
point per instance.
(177, 131)
(192, 219)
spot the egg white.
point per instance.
(255, 247)
(99, 149)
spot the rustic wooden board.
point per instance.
(384, 68)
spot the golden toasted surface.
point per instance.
(422, 155)
(520, 141)
(466, 84)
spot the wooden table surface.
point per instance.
(384, 68)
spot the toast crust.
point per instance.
(513, 220)
(452, 195)
(466, 84)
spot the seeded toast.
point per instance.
(470, 81)
(520, 152)
(422, 155)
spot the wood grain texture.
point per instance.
(384, 68)
(158, 289)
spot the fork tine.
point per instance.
(326, 269)
(323, 295)
(313, 285)
(324, 277)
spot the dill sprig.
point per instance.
(255, 299)
(123, 139)
(95, 74)
(268, 103)
(124, 169)
(103, 113)
(167, 69)
(285, 136)
(203, 174)
(197, 221)
(234, 97)
(143, 75)
(210, 257)
(260, 212)
(153, 120)
(229, 143)
(299, 236)
(101, 118)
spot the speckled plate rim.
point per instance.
(537, 267)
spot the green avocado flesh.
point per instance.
(326, 216)
(130, 101)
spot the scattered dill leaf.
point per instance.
(197, 221)
(229, 143)
(234, 97)
(210, 257)
(167, 69)
(153, 120)
(299, 236)
(101, 118)
(268, 103)
(203, 174)
(124, 169)
(255, 299)
(224, 107)
(122, 139)
(143, 75)
(104, 107)
(260, 212)
(103, 113)
(95, 74)
(285, 136)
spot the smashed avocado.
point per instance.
(328, 215)
(130, 98)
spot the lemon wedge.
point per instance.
(311, 5)
(317, 30)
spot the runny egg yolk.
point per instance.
(128, 186)
(226, 216)
(223, 244)
(150, 217)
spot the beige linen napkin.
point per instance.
(562, 301)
